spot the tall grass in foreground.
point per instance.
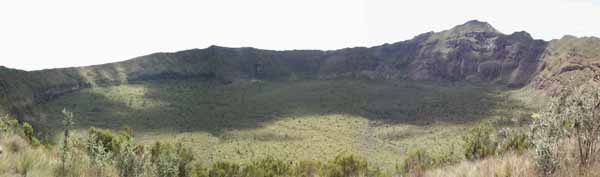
(510, 165)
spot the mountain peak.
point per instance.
(475, 26)
(476, 22)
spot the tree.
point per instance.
(575, 114)
(582, 108)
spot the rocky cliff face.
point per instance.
(569, 62)
(473, 52)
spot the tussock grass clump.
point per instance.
(416, 163)
(508, 165)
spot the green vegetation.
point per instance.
(566, 133)
(479, 142)
(452, 101)
(161, 160)
(302, 120)
(282, 144)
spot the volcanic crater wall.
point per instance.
(472, 52)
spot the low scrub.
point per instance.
(479, 142)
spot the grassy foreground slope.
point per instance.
(301, 120)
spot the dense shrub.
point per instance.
(8, 123)
(307, 168)
(29, 134)
(513, 140)
(573, 114)
(224, 169)
(185, 157)
(416, 162)
(171, 161)
(347, 166)
(198, 170)
(479, 142)
(582, 109)
(109, 141)
(131, 159)
(269, 167)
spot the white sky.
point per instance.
(39, 34)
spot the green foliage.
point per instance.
(513, 140)
(582, 108)
(307, 168)
(171, 161)
(111, 142)
(224, 169)
(574, 114)
(547, 133)
(8, 123)
(29, 134)
(198, 170)
(479, 142)
(334, 113)
(416, 162)
(25, 164)
(185, 156)
(347, 166)
(131, 159)
(65, 148)
(28, 130)
(269, 167)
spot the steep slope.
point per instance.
(474, 52)
(569, 62)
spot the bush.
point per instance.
(185, 156)
(224, 169)
(574, 114)
(479, 142)
(170, 161)
(198, 170)
(7, 123)
(347, 166)
(416, 162)
(269, 167)
(513, 140)
(28, 130)
(108, 140)
(65, 147)
(582, 111)
(131, 159)
(29, 134)
(307, 169)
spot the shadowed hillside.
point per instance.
(473, 52)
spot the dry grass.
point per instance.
(510, 165)
(569, 164)
(21, 159)
(519, 165)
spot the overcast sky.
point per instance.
(60, 33)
